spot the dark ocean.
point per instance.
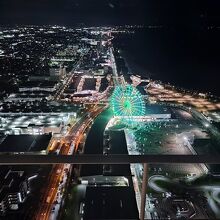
(185, 57)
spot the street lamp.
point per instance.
(206, 125)
(185, 138)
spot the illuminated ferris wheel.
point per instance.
(127, 102)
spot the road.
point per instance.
(212, 192)
(68, 79)
(153, 185)
(114, 68)
(50, 192)
(75, 135)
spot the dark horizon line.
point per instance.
(83, 24)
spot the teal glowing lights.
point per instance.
(127, 102)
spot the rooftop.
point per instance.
(43, 84)
(25, 143)
(110, 203)
(10, 181)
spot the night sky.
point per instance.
(100, 12)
